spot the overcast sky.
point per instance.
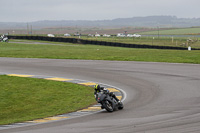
(34, 10)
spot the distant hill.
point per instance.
(149, 21)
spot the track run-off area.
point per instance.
(120, 94)
(160, 97)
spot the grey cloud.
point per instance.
(33, 10)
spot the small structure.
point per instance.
(136, 35)
(97, 35)
(90, 35)
(121, 35)
(67, 34)
(106, 35)
(50, 35)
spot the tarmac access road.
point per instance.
(160, 97)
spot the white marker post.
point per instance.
(189, 48)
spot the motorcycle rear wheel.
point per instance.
(120, 106)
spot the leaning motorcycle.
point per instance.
(4, 38)
(108, 102)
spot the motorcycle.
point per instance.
(4, 38)
(108, 102)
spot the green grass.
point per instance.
(25, 99)
(156, 41)
(180, 31)
(95, 52)
(147, 40)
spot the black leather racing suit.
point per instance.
(110, 93)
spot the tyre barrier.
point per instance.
(104, 43)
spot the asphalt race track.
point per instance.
(160, 97)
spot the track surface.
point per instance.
(161, 97)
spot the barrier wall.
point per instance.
(82, 41)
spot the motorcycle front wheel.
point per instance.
(108, 106)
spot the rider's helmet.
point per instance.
(97, 87)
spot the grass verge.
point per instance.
(94, 52)
(24, 99)
(152, 40)
(179, 31)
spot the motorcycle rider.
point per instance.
(1, 38)
(98, 89)
(4, 38)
